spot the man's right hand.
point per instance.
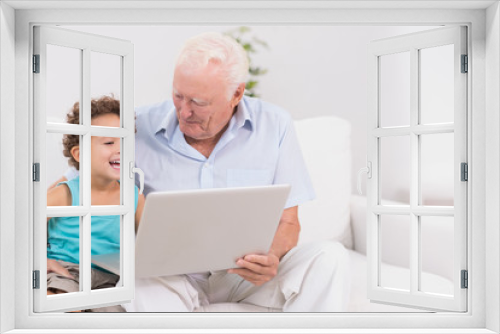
(55, 267)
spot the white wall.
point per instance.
(7, 165)
(313, 70)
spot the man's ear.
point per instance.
(75, 152)
(238, 94)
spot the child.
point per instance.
(63, 232)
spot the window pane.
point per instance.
(436, 85)
(437, 169)
(395, 254)
(395, 170)
(105, 74)
(63, 75)
(395, 90)
(57, 163)
(105, 245)
(105, 167)
(63, 246)
(436, 249)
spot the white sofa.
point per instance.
(337, 214)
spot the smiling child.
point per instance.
(63, 244)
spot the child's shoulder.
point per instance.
(59, 195)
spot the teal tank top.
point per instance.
(63, 241)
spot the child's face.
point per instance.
(105, 151)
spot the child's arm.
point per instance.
(138, 211)
(59, 196)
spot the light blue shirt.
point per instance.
(259, 147)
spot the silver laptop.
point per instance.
(191, 231)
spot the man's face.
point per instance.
(201, 100)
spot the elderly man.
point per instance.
(211, 135)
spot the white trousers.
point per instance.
(311, 278)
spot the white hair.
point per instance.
(213, 47)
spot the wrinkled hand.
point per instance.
(54, 267)
(257, 269)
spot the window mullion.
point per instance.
(85, 180)
(85, 228)
(96, 210)
(417, 129)
(82, 129)
(128, 161)
(372, 189)
(85, 274)
(414, 170)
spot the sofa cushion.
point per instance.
(326, 147)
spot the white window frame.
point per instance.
(86, 44)
(413, 44)
(483, 20)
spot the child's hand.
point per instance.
(54, 267)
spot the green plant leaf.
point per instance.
(248, 47)
(251, 44)
(251, 94)
(250, 84)
(257, 71)
(260, 42)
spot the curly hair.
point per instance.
(101, 106)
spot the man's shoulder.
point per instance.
(258, 108)
(151, 115)
(152, 110)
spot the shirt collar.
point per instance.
(168, 123)
(240, 119)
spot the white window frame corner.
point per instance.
(484, 44)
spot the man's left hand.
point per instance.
(257, 269)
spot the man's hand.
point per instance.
(54, 267)
(257, 269)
